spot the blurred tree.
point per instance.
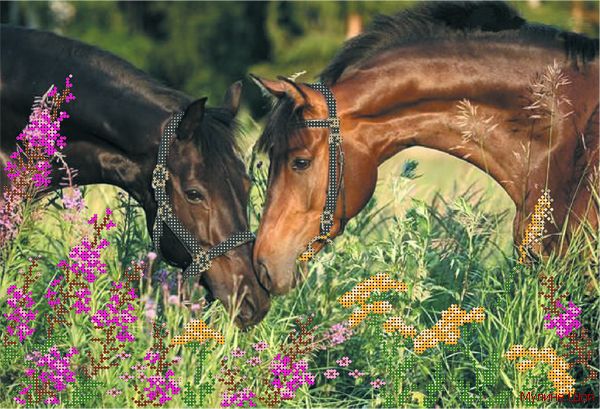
(201, 47)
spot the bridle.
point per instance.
(201, 259)
(335, 186)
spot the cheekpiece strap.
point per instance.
(335, 148)
(201, 259)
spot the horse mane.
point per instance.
(279, 127)
(216, 140)
(449, 20)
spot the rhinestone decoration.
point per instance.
(336, 159)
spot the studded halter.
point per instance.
(335, 185)
(201, 258)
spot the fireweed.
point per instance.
(29, 166)
(281, 376)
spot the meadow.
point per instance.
(436, 224)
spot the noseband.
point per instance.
(201, 259)
(335, 185)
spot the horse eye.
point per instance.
(194, 196)
(300, 164)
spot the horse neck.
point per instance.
(118, 144)
(469, 103)
(116, 123)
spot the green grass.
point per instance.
(447, 237)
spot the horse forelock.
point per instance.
(217, 143)
(279, 128)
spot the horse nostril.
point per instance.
(263, 276)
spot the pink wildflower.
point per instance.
(238, 353)
(260, 346)
(331, 374)
(253, 361)
(114, 392)
(344, 361)
(356, 374)
(377, 383)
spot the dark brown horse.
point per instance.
(114, 135)
(517, 100)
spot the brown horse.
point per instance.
(517, 100)
(118, 123)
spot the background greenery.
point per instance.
(447, 233)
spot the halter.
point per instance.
(201, 259)
(336, 160)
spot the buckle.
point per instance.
(309, 253)
(326, 219)
(160, 175)
(335, 138)
(201, 259)
(334, 122)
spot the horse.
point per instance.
(114, 137)
(474, 80)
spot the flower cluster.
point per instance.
(50, 374)
(287, 370)
(79, 274)
(337, 334)
(118, 312)
(565, 323)
(282, 368)
(361, 292)
(558, 374)
(161, 386)
(22, 313)
(20, 302)
(238, 398)
(29, 166)
(114, 322)
(447, 329)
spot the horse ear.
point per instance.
(191, 119)
(232, 98)
(280, 88)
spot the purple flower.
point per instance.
(118, 316)
(53, 369)
(238, 353)
(377, 383)
(331, 374)
(289, 376)
(238, 398)
(173, 299)
(356, 374)
(338, 334)
(564, 323)
(73, 199)
(114, 392)
(260, 346)
(162, 387)
(344, 361)
(153, 357)
(21, 313)
(151, 256)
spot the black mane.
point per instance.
(450, 20)
(216, 140)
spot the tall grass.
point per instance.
(446, 250)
